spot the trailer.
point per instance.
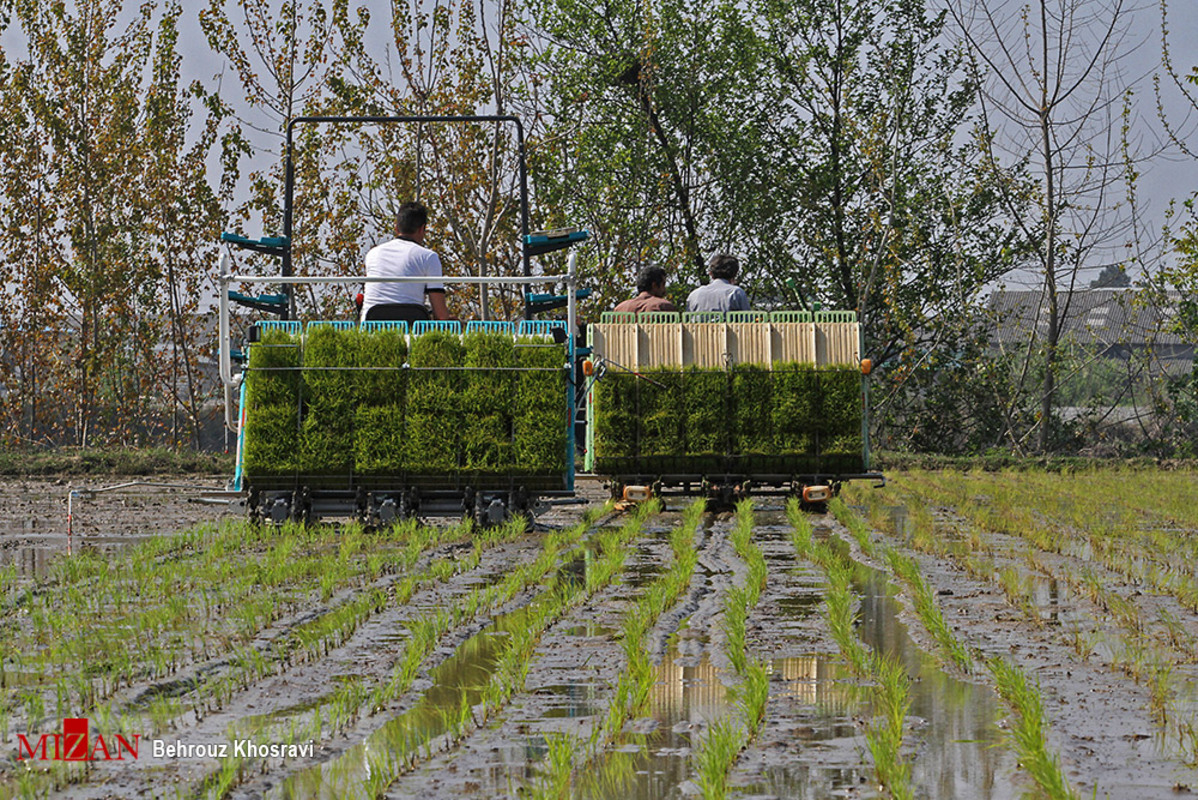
(379, 421)
(728, 405)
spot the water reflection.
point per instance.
(960, 748)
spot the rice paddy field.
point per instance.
(951, 635)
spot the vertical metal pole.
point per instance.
(288, 198)
(571, 368)
(523, 211)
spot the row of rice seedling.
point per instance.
(1023, 698)
(144, 616)
(374, 768)
(1144, 650)
(339, 711)
(791, 418)
(343, 401)
(890, 695)
(726, 738)
(245, 665)
(561, 776)
(1139, 544)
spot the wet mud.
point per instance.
(812, 743)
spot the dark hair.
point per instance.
(411, 218)
(650, 277)
(723, 265)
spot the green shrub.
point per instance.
(434, 403)
(379, 435)
(539, 414)
(271, 439)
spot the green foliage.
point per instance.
(539, 417)
(795, 418)
(272, 384)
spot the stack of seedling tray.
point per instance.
(376, 406)
(749, 394)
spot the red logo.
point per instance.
(76, 744)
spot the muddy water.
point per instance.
(457, 686)
(954, 744)
(952, 723)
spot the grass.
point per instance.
(726, 738)
(791, 418)
(1028, 732)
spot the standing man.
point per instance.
(404, 256)
(722, 294)
(651, 284)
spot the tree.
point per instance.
(97, 202)
(450, 57)
(653, 133)
(878, 204)
(1051, 104)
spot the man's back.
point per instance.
(719, 295)
(644, 302)
(397, 258)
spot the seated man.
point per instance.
(722, 294)
(403, 256)
(651, 284)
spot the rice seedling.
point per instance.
(539, 419)
(929, 613)
(1028, 731)
(721, 743)
(558, 767)
(634, 685)
(845, 516)
(889, 694)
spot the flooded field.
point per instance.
(988, 635)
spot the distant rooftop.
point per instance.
(1102, 317)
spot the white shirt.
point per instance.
(400, 257)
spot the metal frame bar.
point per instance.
(289, 175)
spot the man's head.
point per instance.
(723, 265)
(411, 219)
(652, 280)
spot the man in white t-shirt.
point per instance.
(405, 255)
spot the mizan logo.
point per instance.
(76, 744)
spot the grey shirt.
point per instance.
(719, 295)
